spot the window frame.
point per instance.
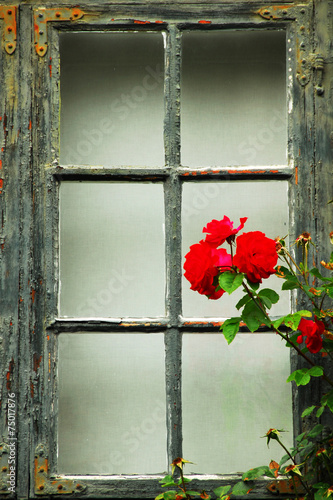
(32, 336)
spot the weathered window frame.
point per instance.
(29, 191)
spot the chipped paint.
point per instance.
(9, 374)
(204, 22)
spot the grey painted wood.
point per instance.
(29, 109)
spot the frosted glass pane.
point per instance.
(265, 203)
(111, 404)
(232, 395)
(112, 107)
(111, 249)
(233, 98)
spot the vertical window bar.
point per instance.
(173, 243)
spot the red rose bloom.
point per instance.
(312, 331)
(256, 255)
(220, 230)
(202, 264)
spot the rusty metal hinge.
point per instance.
(46, 485)
(307, 63)
(8, 14)
(277, 12)
(44, 15)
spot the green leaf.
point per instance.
(317, 429)
(283, 272)
(320, 411)
(270, 294)
(252, 474)
(290, 283)
(301, 377)
(253, 316)
(230, 281)
(315, 272)
(230, 328)
(240, 488)
(222, 490)
(292, 320)
(254, 286)
(167, 481)
(170, 495)
(243, 301)
(329, 400)
(308, 411)
(284, 459)
(316, 371)
(278, 322)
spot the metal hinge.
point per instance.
(316, 62)
(306, 62)
(44, 15)
(8, 14)
(46, 485)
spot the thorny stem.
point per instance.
(295, 463)
(183, 483)
(285, 337)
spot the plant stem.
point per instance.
(183, 483)
(285, 337)
(295, 463)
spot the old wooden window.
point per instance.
(129, 129)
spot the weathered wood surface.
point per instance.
(29, 108)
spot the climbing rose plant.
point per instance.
(227, 260)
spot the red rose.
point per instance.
(312, 331)
(256, 255)
(220, 230)
(202, 265)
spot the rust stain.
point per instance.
(246, 171)
(9, 374)
(205, 22)
(1, 185)
(33, 293)
(40, 472)
(30, 125)
(8, 14)
(136, 21)
(37, 362)
(273, 12)
(50, 67)
(296, 175)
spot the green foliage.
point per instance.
(230, 328)
(253, 316)
(229, 281)
(303, 376)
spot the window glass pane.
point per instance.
(233, 98)
(111, 404)
(112, 99)
(111, 249)
(265, 203)
(232, 395)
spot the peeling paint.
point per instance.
(36, 362)
(204, 22)
(9, 374)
